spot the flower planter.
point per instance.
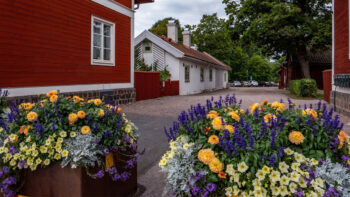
(55, 181)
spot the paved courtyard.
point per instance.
(151, 116)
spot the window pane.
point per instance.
(107, 42)
(97, 40)
(97, 27)
(97, 53)
(107, 54)
(107, 30)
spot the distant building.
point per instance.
(318, 62)
(196, 71)
(78, 47)
(340, 96)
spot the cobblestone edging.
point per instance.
(341, 102)
(113, 96)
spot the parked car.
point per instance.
(245, 84)
(254, 83)
(237, 84)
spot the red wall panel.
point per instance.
(327, 84)
(341, 28)
(49, 42)
(169, 88)
(147, 85)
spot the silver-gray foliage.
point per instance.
(180, 167)
(335, 175)
(83, 150)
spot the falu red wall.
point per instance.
(341, 36)
(46, 42)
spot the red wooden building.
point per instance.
(82, 47)
(318, 62)
(340, 96)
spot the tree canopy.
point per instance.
(160, 27)
(282, 27)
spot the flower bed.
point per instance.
(271, 149)
(91, 135)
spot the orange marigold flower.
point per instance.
(278, 106)
(230, 128)
(216, 166)
(97, 102)
(81, 114)
(264, 102)
(76, 99)
(269, 117)
(52, 92)
(101, 113)
(218, 123)
(25, 129)
(213, 139)
(310, 112)
(222, 175)
(206, 155)
(85, 130)
(253, 107)
(234, 116)
(342, 138)
(53, 98)
(211, 116)
(119, 110)
(296, 137)
(32, 116)
(91, 100)
(72, 118)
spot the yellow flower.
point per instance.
(51, 93)
(212, 114)
(101, 113)
(59, 140)
(234, 116)
(97, 102)
(269, 117)
(186, 146)
(76, 99)
(85, 130)
(53, 98)
(13, 162)
(43, 149)
(278, 106)
(57, 156)
(296, 137)
(253, 107)
(213, 139)
(72, 118)
(38, 161)
(13, 138)
(64, 153)
(48, 142)
(72, 134)
(206, 155)
(91, 101)
(264, 102)
(162, 163)
(242, 167)
(310, 112)
(32, 116)
(218, 123)
(266, 170)
(216, 166)
(46, 162)
(230, 128)
(63, 134)
(81, 114)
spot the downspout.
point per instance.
(333, 50)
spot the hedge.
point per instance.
(303, 87)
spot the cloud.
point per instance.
(187, 11)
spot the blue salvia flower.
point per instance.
(273, 138)
(39, 128)
(310, 106)
(319, 105)
(272, 160)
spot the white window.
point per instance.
(102, 42)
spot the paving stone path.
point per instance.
(151, 116)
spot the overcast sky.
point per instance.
(187, 11)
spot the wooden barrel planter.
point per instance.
(55, 181)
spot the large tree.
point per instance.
(160, 27)
(280, 27)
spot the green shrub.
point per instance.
(164, 74)
(294, 87)
(308, 88)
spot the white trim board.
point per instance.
(116, 7)
(27, 91)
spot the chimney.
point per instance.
(172, 30)
(187, 37)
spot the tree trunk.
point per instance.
(303, 61)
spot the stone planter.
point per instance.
(55, 181)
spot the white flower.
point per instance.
(284, 180)
(260, 175)
(242, 167)
(275, 176)
(229, 170)
(283, 167)
(293, 187)
(288, 151)
(283, 191)
(294, 176)
(275, 191)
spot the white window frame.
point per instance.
(111, 62)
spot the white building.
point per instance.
(196, 71)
